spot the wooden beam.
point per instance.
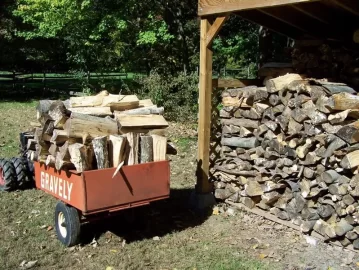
(235, 83)
(302, 22)
(209, 7)
(351, 6)
(316, 11)
(215, 28)
(205, 106)
(271, 23)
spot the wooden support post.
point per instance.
(208, 33)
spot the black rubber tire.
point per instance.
(21, 172)
(72, 224)
(9, 176)
(30, 173)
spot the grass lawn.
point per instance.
(186, 241)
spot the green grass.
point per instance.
(187, 241)
(183, 143)
(16, 117)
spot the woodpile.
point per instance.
(292, 148)
(98, 132)
(318, 59)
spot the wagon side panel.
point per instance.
(131, 186)
(65, 186)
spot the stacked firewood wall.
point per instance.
(292, 148)
(98, 132)
(324, 60)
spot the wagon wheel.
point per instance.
(21, 172)
(67, 224)
(7, 175)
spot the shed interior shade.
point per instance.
(335, 20)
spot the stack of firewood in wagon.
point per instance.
(98, 132)
(292, 149)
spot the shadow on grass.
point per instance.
(157, 219)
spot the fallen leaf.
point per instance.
(43, 227)
(123, 242)
(113, 250)
(49, 228)
(109, 268)
(215, 211)
(262, 256)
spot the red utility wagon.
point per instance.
(94, 193)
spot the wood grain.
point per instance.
(208, 7)
(215, 28)
(205, 106)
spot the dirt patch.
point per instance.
(165, 235)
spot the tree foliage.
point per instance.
(112, 35)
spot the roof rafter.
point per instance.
(317, 12)
(209, 7)
(348, 5)
(269, 22)
(303, 22)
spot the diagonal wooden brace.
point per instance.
(215, 28)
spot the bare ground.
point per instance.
(166, 235)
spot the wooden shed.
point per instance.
(335, 20)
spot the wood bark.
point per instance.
(245, 143)
(280, 83)
(146, 149)
(133, 140)
(81, 156)
(58, 113)
(241, 123)
(94, 111)
(81, 125)
(120, 102)
(143, 111)
(63, 164)
(101, 152)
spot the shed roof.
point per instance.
(330, 19)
